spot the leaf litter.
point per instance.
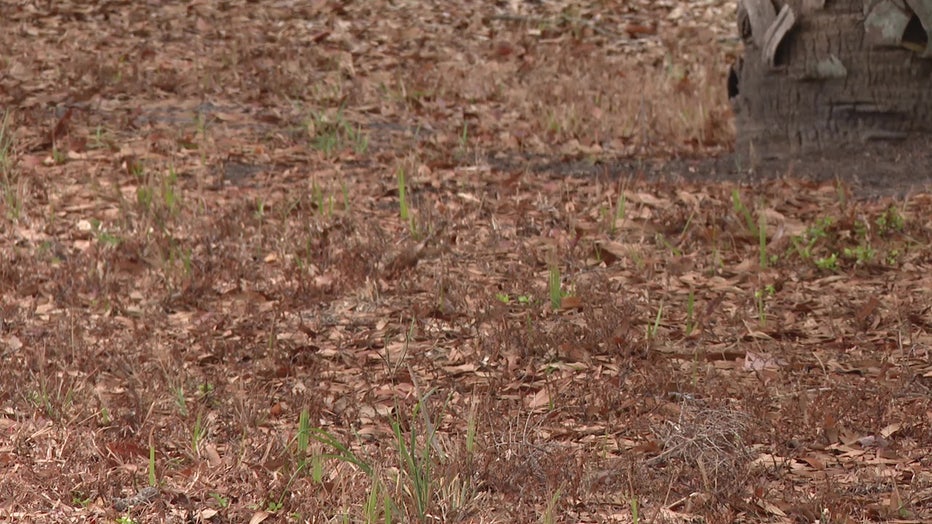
(204, 239)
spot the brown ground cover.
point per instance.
(435, 262)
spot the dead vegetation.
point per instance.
(281, 263)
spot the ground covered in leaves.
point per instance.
(331, 262)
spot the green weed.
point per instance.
(417, 458)
(549, 516)
(653, 329)
(153, 481)
(402, 194)
(330, 136)
(890, 220)
(661, 240)
(472, 425)
(804, 244)
(742, 211)
(762, 240)
(862, 254)
(103, 236)
(690, 312)
(53, 401)
(302, 439)
(198, 432)
(760, 298)
(506, 299)
(81, 499)
(10, 183)
(157, 196)
(893, 256)
(101, 139)
(378, 507)
(464, 141)
(554, 284)
(619, 214)
(221, 501)
(342, 451)
(104, 419)
(828, 263)
(59, 157)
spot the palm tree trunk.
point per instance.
(830, 76)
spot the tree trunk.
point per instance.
(832, 77)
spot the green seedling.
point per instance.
(653, 329)
(762, 240)
(417, 457)
(9, 178)
(829, 263)
(342, 452)
(346, 199)
(317, 195)
(317, 469)
(805, 244)
(893, 257)
(59, 156)
(198, 432)
(81, 499)
(662, 240)
(221, 501)
(464, 139)
(178, 255)
(324, 135)
(101, 139)
(153, 481)
(330, 136)
(890, 220)
(553, 123)
(690, 313)
(554, 286)
(170, 191)
(505, 298)
(359, 140)
(549, 516)
(378, 506)
(742, 211)
(861, 254)
(472, 425)
(144, 197)
(862, 229)
(402, 194)
(53, 401)
(760, 298)
(103, 236)
(303, 438)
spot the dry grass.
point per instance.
(214, 311)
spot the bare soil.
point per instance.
(438, 262)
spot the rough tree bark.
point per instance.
(836, 77)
